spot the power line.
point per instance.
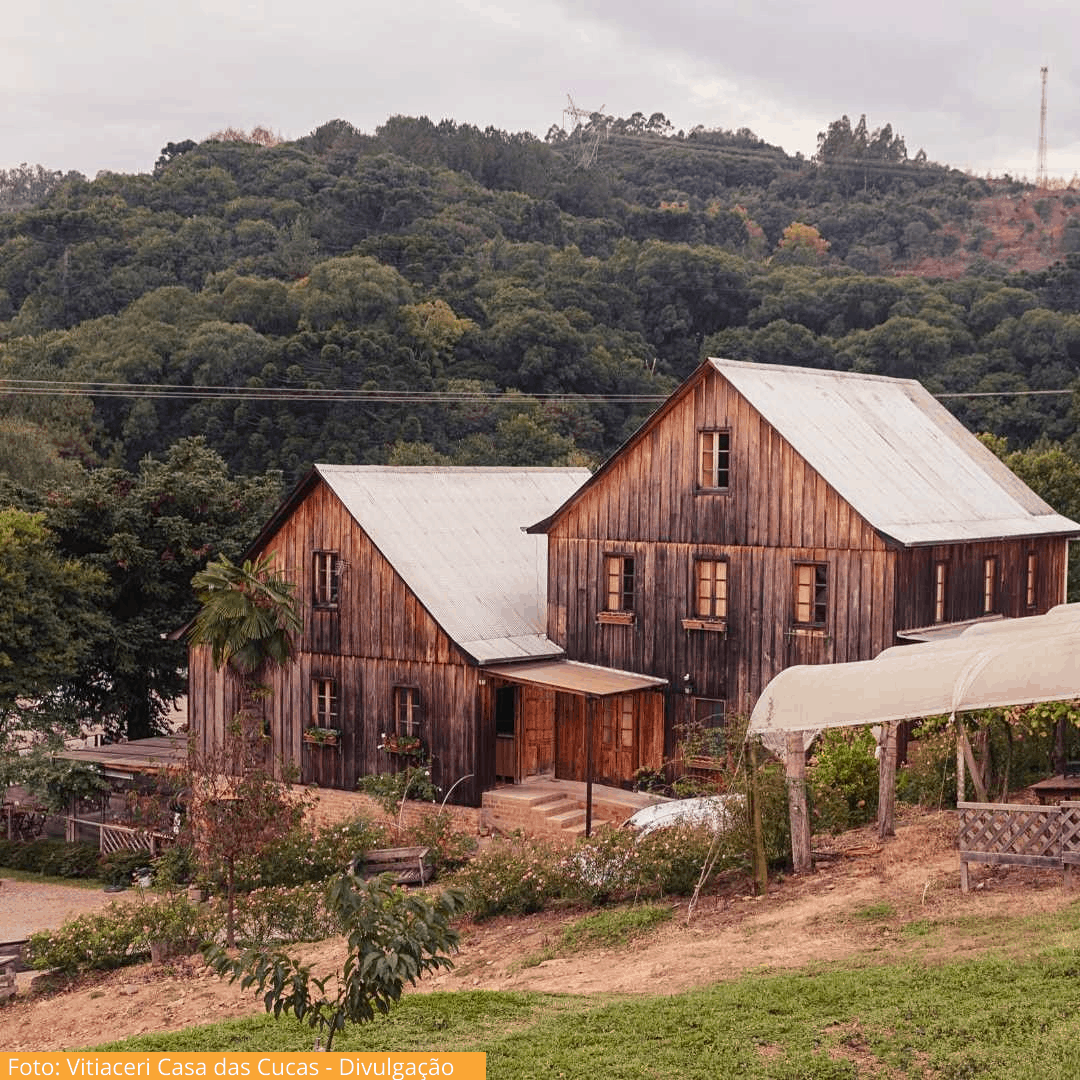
(165, 391)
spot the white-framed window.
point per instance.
(714, 460)
(327, 577)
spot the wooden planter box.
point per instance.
(320, 740)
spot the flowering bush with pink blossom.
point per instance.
(283, 915)
(512, 877)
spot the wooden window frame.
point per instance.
(714, 460)
(718, 750)
(941, 590)
(325, 712)
(408, 719)
(626, 721)
(617, 722)
(1031, 591)
(990, 584)
(326, 579)
(620, 588)
(816, 606)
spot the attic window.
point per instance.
(327, 577)
(714, 460)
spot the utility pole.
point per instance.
(1040, 166)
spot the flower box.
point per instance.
(321, 736)
(407, 745)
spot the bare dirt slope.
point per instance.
(818, 918)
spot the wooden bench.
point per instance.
(408, 865)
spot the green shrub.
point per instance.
(512, 877)
(306, 855)
(118, 867)
(843, 779)
(54, 857)
(174, 866)
(450, 848)
(604, 866)
(284, 915)
(391, 788)
(672, 860)
(121, 934)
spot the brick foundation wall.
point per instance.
(331, 805)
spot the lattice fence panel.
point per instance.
(1034, 832)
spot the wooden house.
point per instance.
(419, 586)
(523, 621)
(767, 516)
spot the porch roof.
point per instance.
(573, 677)
(138, 756)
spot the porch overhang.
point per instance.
(123, 760)
(574, 677)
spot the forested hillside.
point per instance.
(436, 292)
(431, 258)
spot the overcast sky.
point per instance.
(105, 85)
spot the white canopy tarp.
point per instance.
(990, 665)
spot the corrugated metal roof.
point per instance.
(898, 456)
(577, 678)
(455, 537)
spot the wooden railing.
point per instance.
(1020, 835)
(124, 837)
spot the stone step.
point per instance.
(568, 819)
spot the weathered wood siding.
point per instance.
(965, 565)
(612, 763)
(377, 638)
(776, 512)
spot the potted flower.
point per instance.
(322, 736)
(407, 745)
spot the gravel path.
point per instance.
(26, 906)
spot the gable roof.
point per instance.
(890, 450)
(456, 537)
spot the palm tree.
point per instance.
(250, 619)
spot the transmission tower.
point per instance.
(1040, 165)
(592, 129)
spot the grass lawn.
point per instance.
(1012, 1012)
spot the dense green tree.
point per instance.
(147, 533)
(50, 625)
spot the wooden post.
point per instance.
(887, 781)
(961, 780)
(761, 866)
(798, 811)
(588, 765)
